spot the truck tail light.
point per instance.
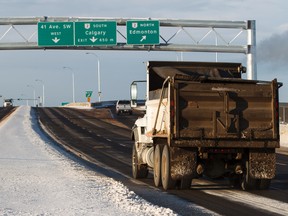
(172, 112)
(277, 109)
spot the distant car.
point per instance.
(123, 106)
(7, 103)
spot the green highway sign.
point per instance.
(89, 94)
(55, 34)
(144, 32)
(95, 33)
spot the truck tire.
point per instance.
(247, 182)
(167, 181)
(138, 170)
(185, 183)
(235, 181)
(264, 184)
(157, 165)
(260, 169)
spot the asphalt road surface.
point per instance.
(102, 138)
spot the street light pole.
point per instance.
(73, 83)
(98, 75)
(43, 92)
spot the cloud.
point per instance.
(283, 27)
(274, 50)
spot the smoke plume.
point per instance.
(274, 50)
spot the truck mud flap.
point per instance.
(183, 163)
(262, 165)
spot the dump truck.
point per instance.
(204, 120)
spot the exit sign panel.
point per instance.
(143, 32)
(55, 34)
(95, 33)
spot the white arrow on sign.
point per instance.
(55, 40)
(143, 38)
(93, 39)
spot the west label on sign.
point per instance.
(55, 34)
(142, 32)
(96, 33)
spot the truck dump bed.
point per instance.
(211, 106)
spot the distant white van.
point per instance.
(8, 103)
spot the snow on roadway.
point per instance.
(35, 179)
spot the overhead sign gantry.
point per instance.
(92, 33)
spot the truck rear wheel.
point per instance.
(167, 181)
(138, 170)
(252, 184)
(264, 184)
(157, 165)
(247, 182)
(260, 169)
(185, 183)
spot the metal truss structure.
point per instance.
(178, 35)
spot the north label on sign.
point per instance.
(143, 32)
(98, 33)
(55, 34)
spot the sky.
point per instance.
(118, 69)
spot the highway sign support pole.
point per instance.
(251, 53)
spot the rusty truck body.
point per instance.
(204, 119)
